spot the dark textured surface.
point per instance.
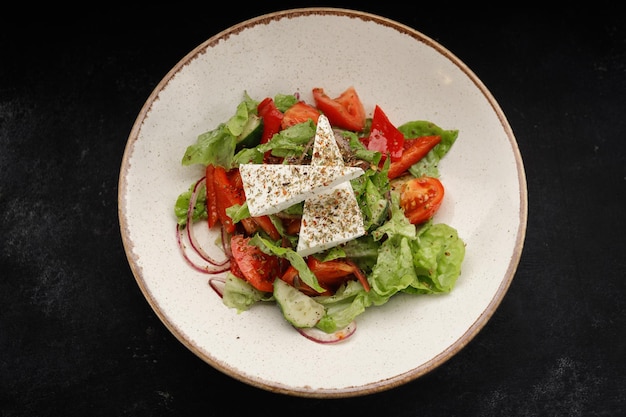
(77, 338)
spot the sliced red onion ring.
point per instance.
(320, 336)
(207, 268)
(206, 263)
(190, 230)
(226, 244)
(218, 285)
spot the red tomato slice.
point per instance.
(384, 136)
(329, 274)
(256, 267)
(298, 113)
(418, 148)
(292, 226)
(211, 201)
(234, 269)
(420, 198)
(272, 117)
(226, 195)
(345, 111)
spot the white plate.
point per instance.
(412, 77)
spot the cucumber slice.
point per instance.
(252, 132)
(299, 309)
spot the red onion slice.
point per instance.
(320, 336)
(207, 268)
(190, 229)
(218, 285)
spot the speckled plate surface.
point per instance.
(414, 78)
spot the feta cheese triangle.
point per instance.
(331, 213)
(273, 188)
(330, 219)
(333, 216)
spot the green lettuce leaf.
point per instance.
(240, 294)
(217, 146)
(349, 301)
(438, 254)
(429, 165)
(290, 142)
(292, 256)
(182, 204)
(394, 270)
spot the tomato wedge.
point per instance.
(226, 195)
(292, 226)
(211, 201)
(298, 113)
(345, 111)
(272, 117)
(384, 137)
(255, 266)
(420, 198)
(418, 149)
(329, 274)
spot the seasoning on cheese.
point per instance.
(273, 188)
(331, 214)
(332, 217)
(329, 219)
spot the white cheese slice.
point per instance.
(331, 213)
(273, 188)
(332, 217)
(325, 149)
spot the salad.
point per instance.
(320, 209)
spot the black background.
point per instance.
(77, 337)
